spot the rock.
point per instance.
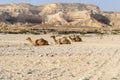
(67, 7)
(57, 19)
(6, 17)
(84, 18)
(28, 18)
(113, 17)
(59, 14)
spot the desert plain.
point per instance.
(96, 58)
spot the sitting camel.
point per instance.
(75, 39)
(62, 40)
(38, 42)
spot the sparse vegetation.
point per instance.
(40, 29)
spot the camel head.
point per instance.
(30, 40)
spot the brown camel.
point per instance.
(75, 39)
(44, 32)
(38, 42)
(62, 40)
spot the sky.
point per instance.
(104, 5)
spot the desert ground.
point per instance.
(96, 58)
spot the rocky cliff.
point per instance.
(58, 14)
(113, 17)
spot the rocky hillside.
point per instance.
(58, 14)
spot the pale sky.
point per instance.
(105, 5)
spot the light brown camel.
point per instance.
(75, 39)
(38, 42)
(62, 40)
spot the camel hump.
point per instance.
(78, 38)
(41, 41)
(75, 38)
(37, 42)
(64, 40)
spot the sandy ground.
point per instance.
(96, 58)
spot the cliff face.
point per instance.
(113, 17)
(58, 14)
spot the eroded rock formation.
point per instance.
(59, 14)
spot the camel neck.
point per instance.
(70, 37)
(55, 40)
(32, 42)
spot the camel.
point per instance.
(62, 40)
(75, 39)
(38, 42)
(44, 32)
